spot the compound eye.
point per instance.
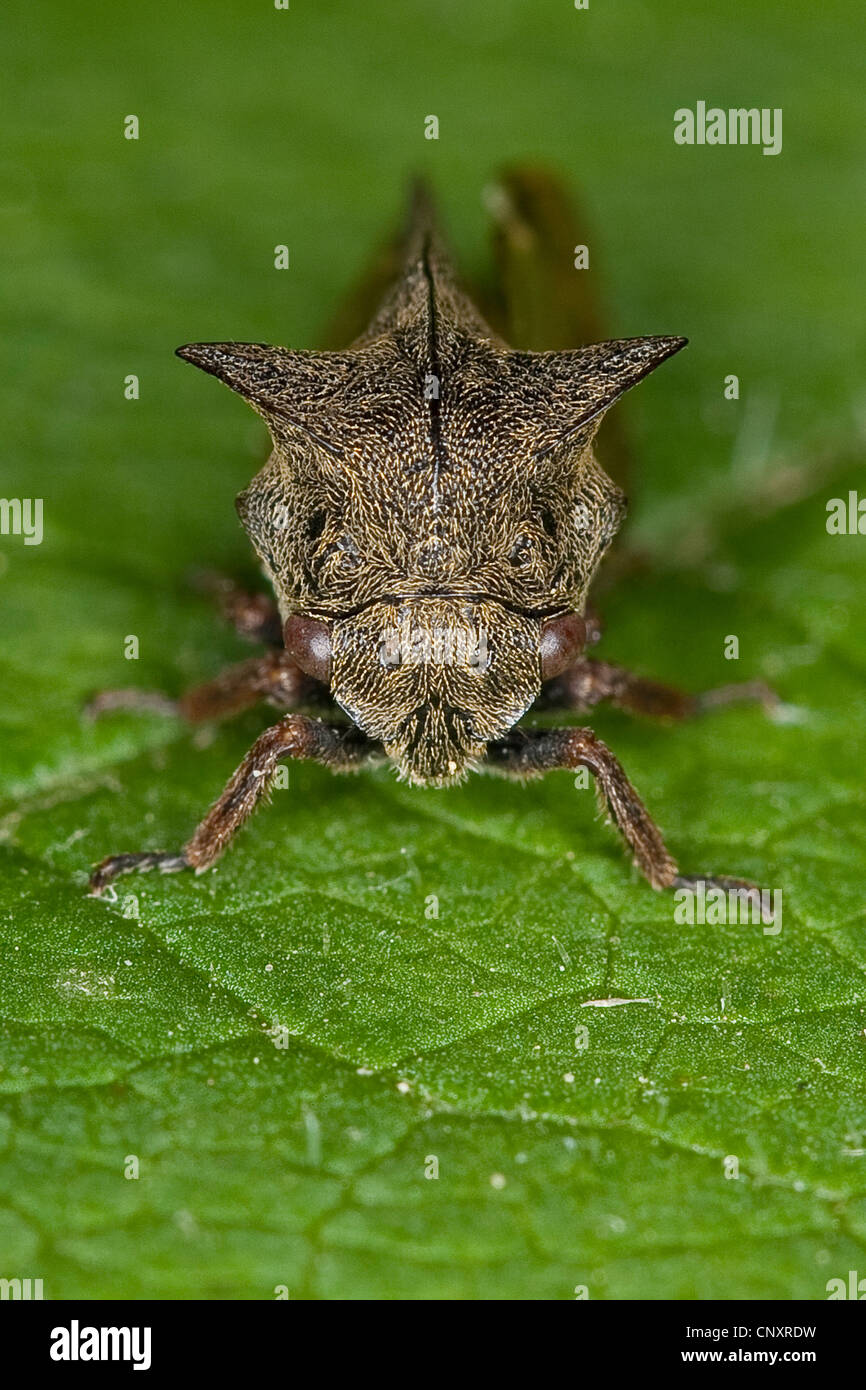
(562, 640)
(308, 642)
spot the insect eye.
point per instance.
(562, 640)
(308, 642)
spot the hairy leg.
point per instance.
(296, 736)
(273, 679)
(587, 682)
(532, 753)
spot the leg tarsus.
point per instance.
(117, 864)
(533, 753)
(296, 736)
(750, 893)
(528, 753)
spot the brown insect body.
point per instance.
(431, 518)
(430, 482)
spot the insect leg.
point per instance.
(587, 682)
(531, 753)
(296, 736)
(273, 678)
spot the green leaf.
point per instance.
(292, 1045)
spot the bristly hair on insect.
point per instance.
(430, 519)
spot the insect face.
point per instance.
(434, 679)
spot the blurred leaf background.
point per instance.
(410, 1038)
